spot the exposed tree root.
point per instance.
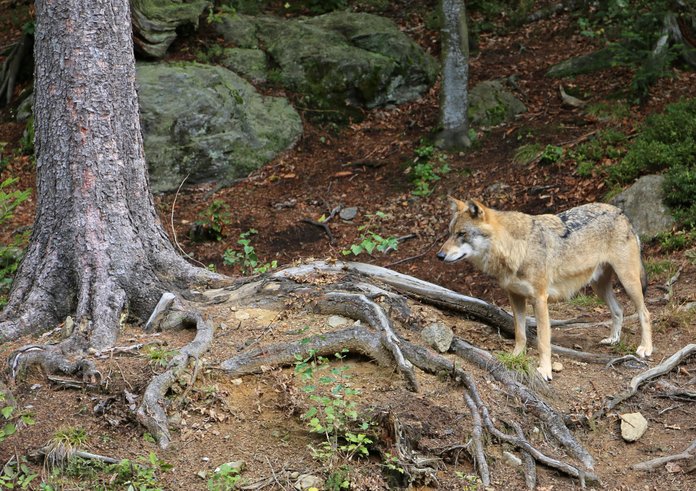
(151, 412)
(664, 367)
(469, 307)
(366, 341)
(650, 465)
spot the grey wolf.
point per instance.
(542, 258)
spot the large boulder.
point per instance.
(491, 103)
(208, 123)
(642, 203)
(155, 22)
(339, 62)
(591, 62)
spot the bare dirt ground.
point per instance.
(257, 418)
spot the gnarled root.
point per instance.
(151, 413)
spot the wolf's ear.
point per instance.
(476, 209)
(456, 205)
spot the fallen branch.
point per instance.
(653, 464)
(661, 369)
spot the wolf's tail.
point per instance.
(643, 276)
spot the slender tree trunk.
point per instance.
(455, 77)
(98, 249)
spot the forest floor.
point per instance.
(366, 165)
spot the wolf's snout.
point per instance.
(441, 256)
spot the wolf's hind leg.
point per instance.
(541, 311)
(519, 312)
(630, 278)
(602, 286)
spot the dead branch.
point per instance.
(650, 465)
(476, 434)
(664, 367)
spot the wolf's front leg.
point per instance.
(541, 311)
(519, 312)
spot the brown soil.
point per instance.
(256, 418)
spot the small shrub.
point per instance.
(247, 257)
(551, 154)
(225, 478)
(528, 153)
(521, 363)
(582, 300)
(10, 254)
(427, 168)
(369, 242)
(160, 356)
(17, 474)
(211, 222)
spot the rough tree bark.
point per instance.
(97, 251)
(455, 77)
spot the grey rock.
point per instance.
(592, 62)
(348, 213)
(155, 22)
(512, 459)
(491, 103)
(633, 426)
(337, 321)
(250, 63)
(642, 204)
(208, 123)
(307, 481)
(439, 336)
(341, 61)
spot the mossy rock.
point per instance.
(491, 104)
(249, 63)
(340, 62)
(155, 22)
(208, 123)
(579, 65)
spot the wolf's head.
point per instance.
(469, 232)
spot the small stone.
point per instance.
(511, 458)
(205, 459)
(35, 387)
(557, 366)
(202, 474)
(308, 481)
(633, 426)
(439, 336)
(337, 321)
(348, 213)
(236, 381)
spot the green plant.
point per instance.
(675, 241)
(225, 478)
(654, 267)
(585, 169)
(10, 418)
(666, 142)
(333, 412)
(211, 222)
(17, 474)
(160, 356)
(142, 475)
(521, 363)
(63, 444)
(217, 16)
(338, 479)
(527, 153)
(392, 463)
(370, 242)
(247, 257)
(609, 111)
(622, 348)
(582, 300)
(427, 168)
(10, 254)
(551, 154)
(469, 482)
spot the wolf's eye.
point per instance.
(461, 235)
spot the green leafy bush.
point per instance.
(247, 257)
(667, 142)
(10, 254)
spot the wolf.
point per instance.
(542, 258)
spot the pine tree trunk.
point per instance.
(97, 249)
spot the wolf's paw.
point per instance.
(644, 351)
(610, 340)
(519, 350)
(545, 373)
